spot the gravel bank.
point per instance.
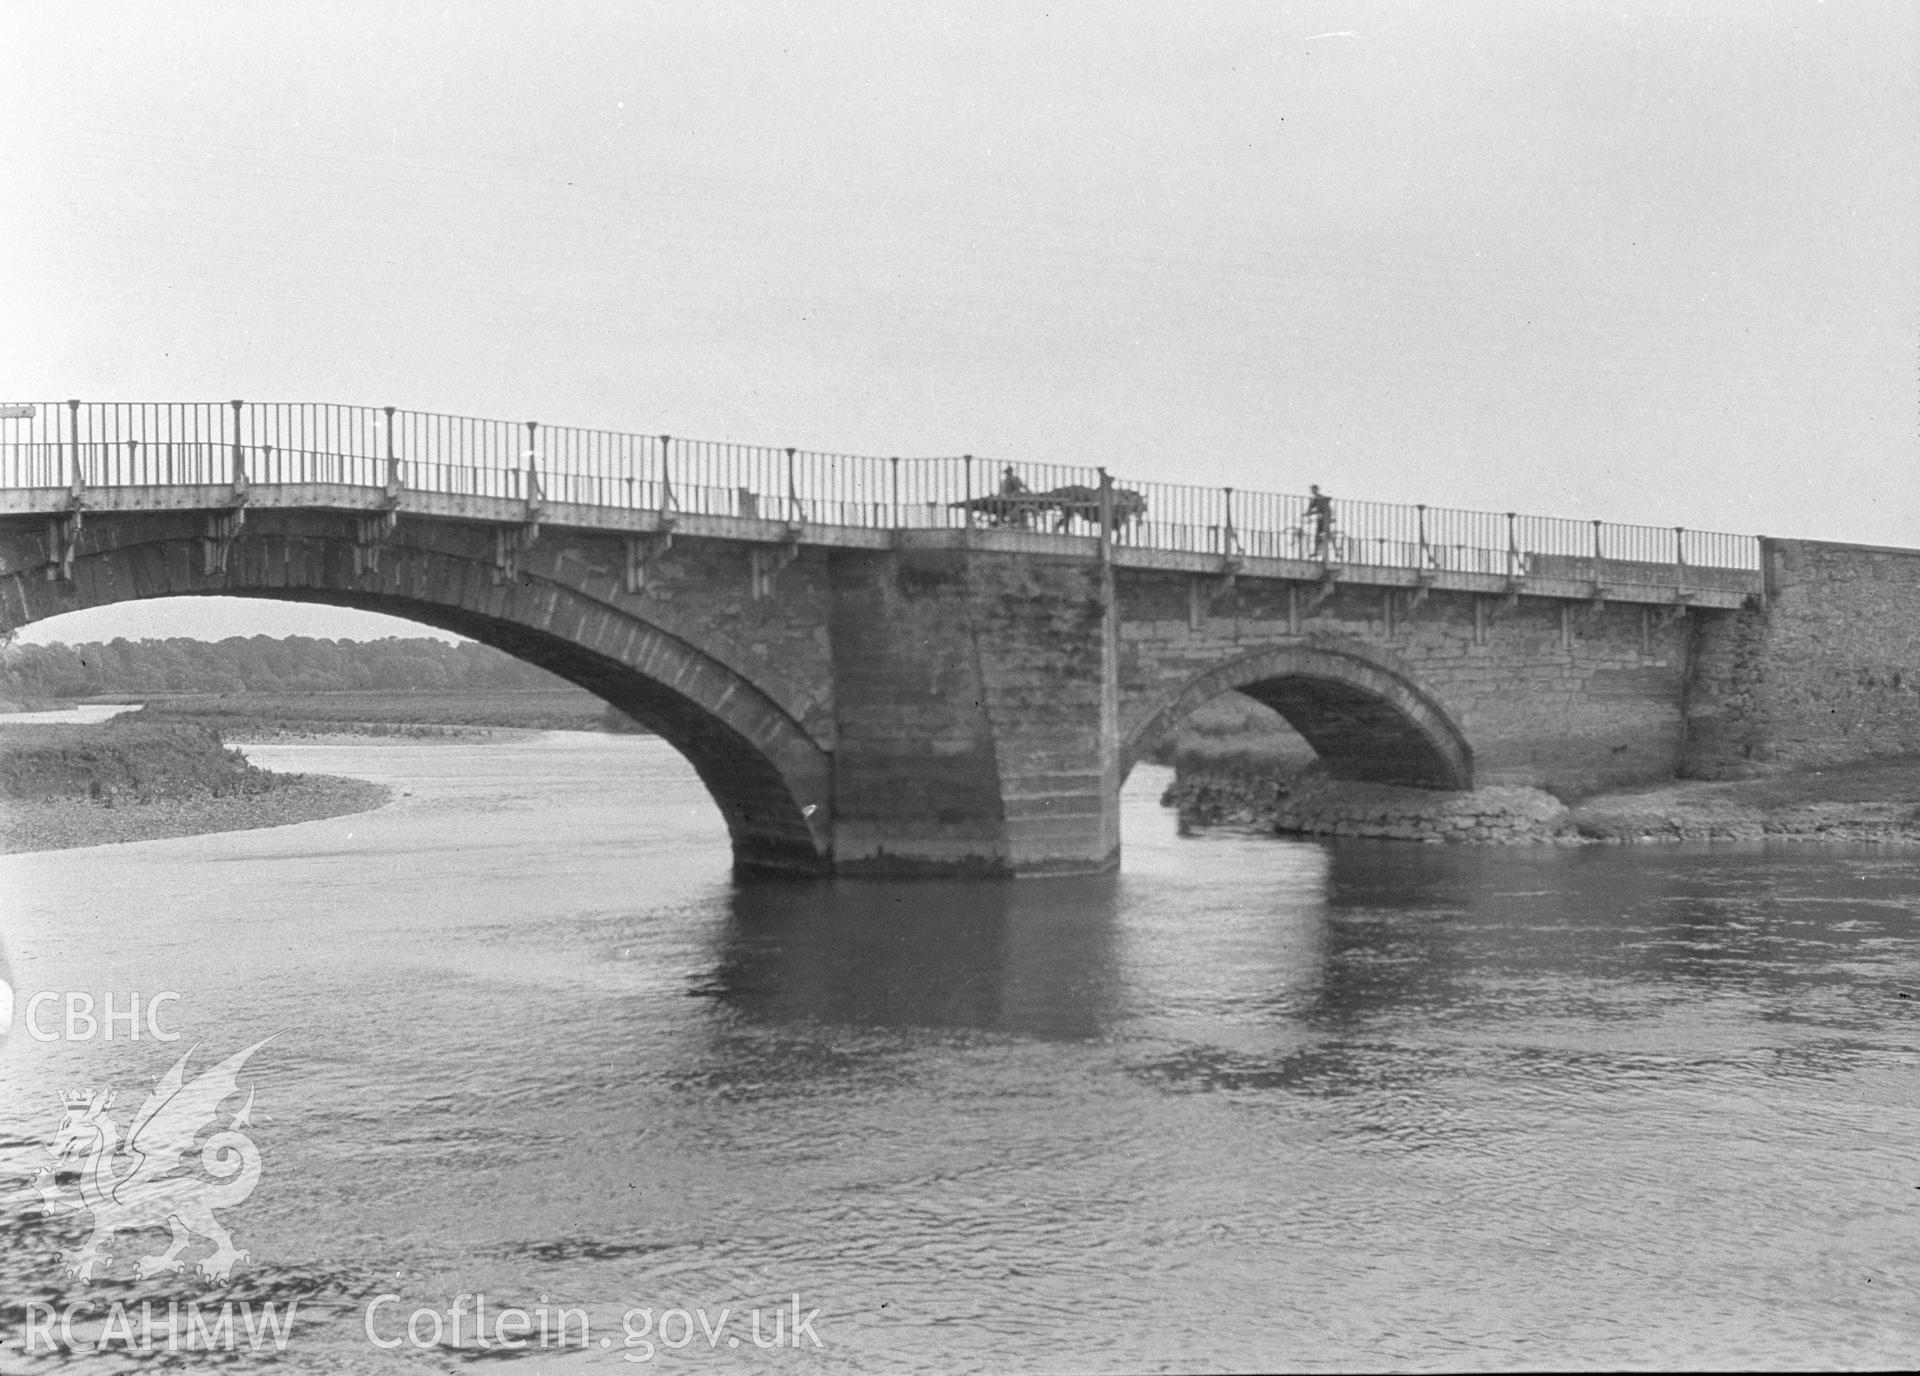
(1714, 812)
(65, 823)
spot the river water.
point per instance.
(1250, 1104)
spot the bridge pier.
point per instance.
(976, 714)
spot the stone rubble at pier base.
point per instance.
(1486, 816)
(1876, 804)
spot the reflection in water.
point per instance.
(1021, 959)
(1251, 1103)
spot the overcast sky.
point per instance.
(1648, 262)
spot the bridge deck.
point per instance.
(1565, 577)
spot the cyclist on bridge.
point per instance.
(1320, 512)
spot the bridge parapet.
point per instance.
(59, 456)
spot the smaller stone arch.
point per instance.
(1367, 720)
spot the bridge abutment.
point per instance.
(1825, 672)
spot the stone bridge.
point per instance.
(875, 683)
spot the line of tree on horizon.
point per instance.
(262, 664)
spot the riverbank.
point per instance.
(1876, 802)
(454, 715)
(128, 779)
(30, 705)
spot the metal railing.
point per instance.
(76, 446)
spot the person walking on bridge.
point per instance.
(1320, 512)
(1012, 509)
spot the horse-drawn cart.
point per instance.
(1026, 510)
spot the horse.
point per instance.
(1078, 502)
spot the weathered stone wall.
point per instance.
(1827, 672)
(1571, 698)
(1726, 725)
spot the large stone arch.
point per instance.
(771, 779)
(1367, 718)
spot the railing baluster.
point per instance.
(149, 444)
(239, 458)
(77, 481)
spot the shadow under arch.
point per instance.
(1366, 717)
(771, 780)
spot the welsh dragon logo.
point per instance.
(156, 1188)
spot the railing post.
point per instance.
(1679, 562)
(1228, 538)
(239, 453)
(966, 487)
(1106, 516)
(793, 492)
(666, 475)
(393, 457)
(76, 478)
(1513, 547)
(1426, 556)
(534, 492)
(895, 463)
(1599, 556)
